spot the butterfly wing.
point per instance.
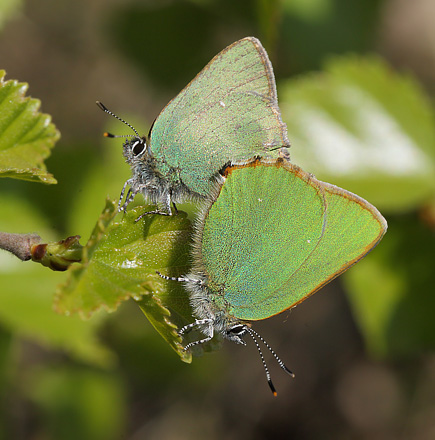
(228, 112)
(275, 235)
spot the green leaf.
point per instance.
(26, 136)
(391, 291)
(366, 128)
(120, 263)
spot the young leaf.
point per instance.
(120, 262)
(365, 128)
(59, 255)
(26, 136)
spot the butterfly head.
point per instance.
(136, 149)
(236, 332)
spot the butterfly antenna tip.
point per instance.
(106, 110)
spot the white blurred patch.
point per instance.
(378, 143)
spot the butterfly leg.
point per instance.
(165, 277)
(190, 326)
(155, 211)
(198, 322)
(167, 205)
(128, 199)
(128, 182)
(131, 194)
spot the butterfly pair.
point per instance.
(269, 234)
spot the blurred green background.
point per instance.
(355, 84)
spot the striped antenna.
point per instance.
(254, 335)
(280, 362)
(106, 110)
(269, 380)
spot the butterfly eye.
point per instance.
(138, 147)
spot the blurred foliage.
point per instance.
(354, 106)
(312, 29)
(26, 136)
(78, 403)
(390, 291)
(305, 29)
(360, 126)
(9, 9)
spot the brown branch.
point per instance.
(19, 244)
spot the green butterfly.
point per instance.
(269, 236)
(228, 112)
